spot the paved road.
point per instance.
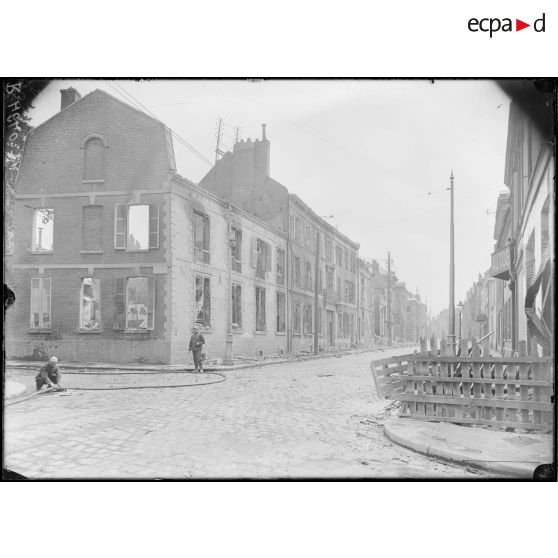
(318, 418)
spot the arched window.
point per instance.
(94, 159)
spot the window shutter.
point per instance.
(92, 229)
(267, 257)
(45, 304)
(154, 225)
(120, 218)
(119, 321)
(35, 303)
(254, 252)
(206, 237)
(150, 302)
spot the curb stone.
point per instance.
(521, 469)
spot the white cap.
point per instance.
(53, 360)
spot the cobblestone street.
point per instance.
(316, 418)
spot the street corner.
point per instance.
(502, 453)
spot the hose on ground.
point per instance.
(222, 378)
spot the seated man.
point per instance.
(49, 374)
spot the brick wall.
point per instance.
(52, 176)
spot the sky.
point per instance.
(375, 154)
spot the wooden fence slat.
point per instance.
(465, 386)
(523, 375)
(475, 354)
(483, 359)
(410, 388)
(492, 403)
(493, 381)
(430, 370)
(419, 371)
(511, 374)
(499, 389)
(441, 387)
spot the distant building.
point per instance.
(318, 256)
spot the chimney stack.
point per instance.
(68, 97)
(261, 154)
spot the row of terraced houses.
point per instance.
(117, 256)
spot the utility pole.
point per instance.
(228, 359)
(452, 273)
(389, 299)
(316, 292)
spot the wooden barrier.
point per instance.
(470, 387)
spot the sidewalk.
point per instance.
(504, 453)
(209, 367)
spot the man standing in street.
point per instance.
(49, 375)
(197, 343)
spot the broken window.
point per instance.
(43, 230)
(136, 227)
(296, 317)
(203, 301)
(280, 266)
(296, 271)
(260, 309)
(236, 306)
(92, 227)
(201, 237)
(90, 304)
(40, 303)
(236, 249)
(262, 258)
(281, 312)
(307, 319)
(94, 160)
(140, 303)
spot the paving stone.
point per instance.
(299, 419)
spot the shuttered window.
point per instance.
(40, 317)
(92, 227)
(153, 226)
(120, 226)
